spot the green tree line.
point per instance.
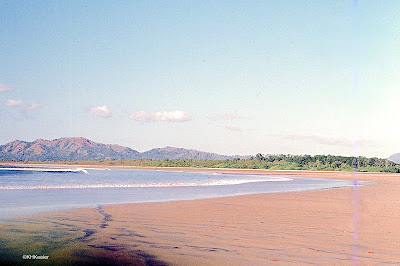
(260, 161)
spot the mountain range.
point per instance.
(79, 148)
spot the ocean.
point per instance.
(31, 190)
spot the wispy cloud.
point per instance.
(171, 116)
(233, 128)
(21, 105)
(14, 103)
(324, 140)
(222, 118)
(24, 109)
(227, 116)
(101, 111)
(4, 87)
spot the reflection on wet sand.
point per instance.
(68, 238)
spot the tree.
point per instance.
(260, 157)
(336, 164)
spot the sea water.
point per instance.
(31, 190)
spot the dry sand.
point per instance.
(344, 226)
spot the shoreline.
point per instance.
(300, 173)
(342, 225)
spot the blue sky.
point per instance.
(232, 77)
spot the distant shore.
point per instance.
(270, 162)
(337, 226)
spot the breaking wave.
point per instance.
(33, 169)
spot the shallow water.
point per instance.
(32, 190)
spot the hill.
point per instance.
(180, 153)
(75, 149)
(64, 149)
(395, 158)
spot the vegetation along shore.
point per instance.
(273, 162)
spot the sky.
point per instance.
(230, 77)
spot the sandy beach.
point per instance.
(344, 226)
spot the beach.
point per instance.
(342, 226)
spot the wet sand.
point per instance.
(343, 226)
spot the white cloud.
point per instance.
(227, 116)
(23, 106)
(233, 128)
(172, 116)
(101, 111)
(4, 87)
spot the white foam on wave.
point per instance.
(150, 185)
(70, 170)
(172, 171)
